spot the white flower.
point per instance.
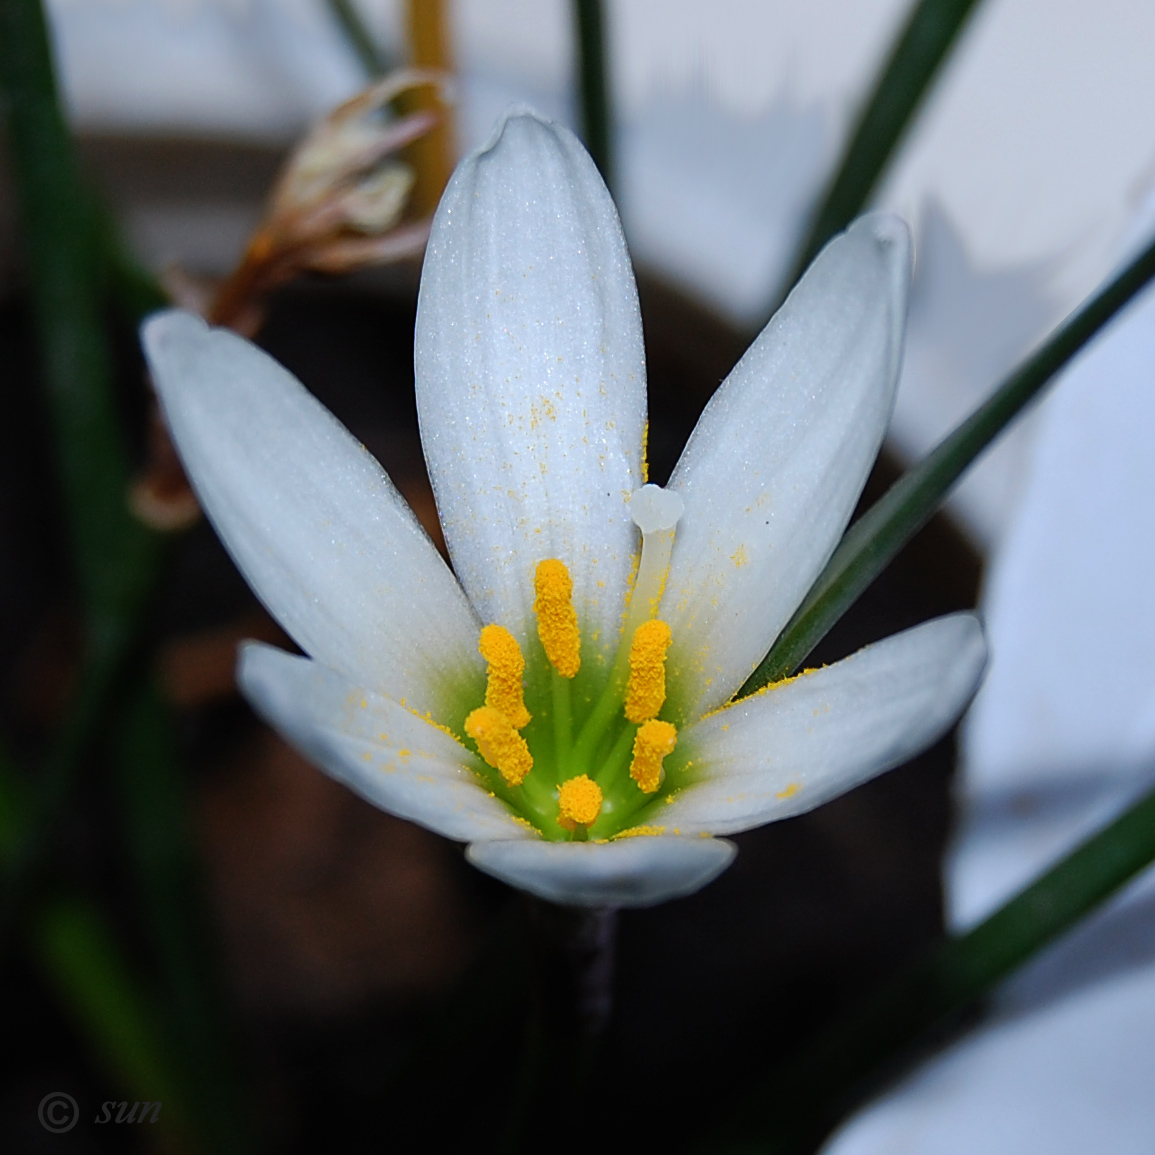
(531, 396)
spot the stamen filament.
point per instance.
(615, 761)
(562, 721)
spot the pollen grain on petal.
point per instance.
(640, 832)
(579, 802)
(504, 691)
(557, 624)
(500, 744)
(646, 688)
(653, 741)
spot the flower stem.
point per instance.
(873, 541)
(573, 953)
(577, 948)
(795, 1108)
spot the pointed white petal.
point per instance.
(791, 748)
(639, 871)
(376, 747)
(309, 517)
(774, 468)
(531, 376)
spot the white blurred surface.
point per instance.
(1033, 142)
(1065, 722)
(260, 69)
(1059, 740)
(1017, 176)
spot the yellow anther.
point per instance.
(579, 802)
(653, 741)
(500, 744)
(646, 689)
(556, 618)
(504, 691)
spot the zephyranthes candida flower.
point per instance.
(563, 704)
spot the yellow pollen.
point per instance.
(503, 691)
(556, 618)
(640, 832)
(646, 689)
(500, 744)
(653, 741)
(579, 802)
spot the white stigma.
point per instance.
(654, 508)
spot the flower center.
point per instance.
(591, 755)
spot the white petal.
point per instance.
(531, 376)
(791, 748)
(774, 468)
(309, 517)
(379, 749)
(639, 871)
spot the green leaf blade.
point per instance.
(925, 42)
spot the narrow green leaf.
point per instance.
(113, 552)
(926, 39)
(371, 57)
(116, 559)
(79, 953)
(594, 85)
(795, 1108)
(117, 563)
(161, 848)
(86, 711)
(872, 542)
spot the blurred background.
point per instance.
(367, 989)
